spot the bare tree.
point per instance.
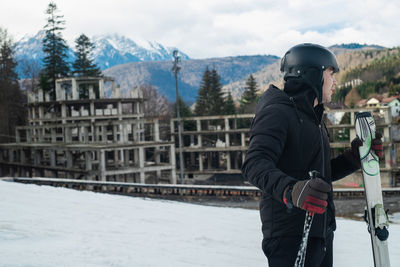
(30, 70)
(155, 105)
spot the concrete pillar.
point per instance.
(156, 130)
(116, 92)
(119, 108)
(243, 135)
(172, 161)
(75, 93)
(199, 140)
(102, 165)
(53, 161)
(352, 129)
(67, 135)
(88, 161)
(88, 168)
(52, 158)
(126, 157)
(228, 160)
(157, 157)
(92, 132)
(40, 95)
(243, 156)
(85, 134)
(63, 112)
(92, 95)
(115, 133)
(135, 159)
(141, 164)
(59, 92)
(172, 127)
(92, 110)
(41, 134)
(104, 133)
(101, 88)
(386, 130)
(37, 161)
(125, 133)
(138, 107)
(201, 161)
(227, 142)
(116, 158)
(70, 163)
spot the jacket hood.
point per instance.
(273, 95)
(295, 94)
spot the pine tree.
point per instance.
(84, 65)
(12, 110)
(184, 110)
(229, 105)
(55, 49)
(216, 99)
(249, 97)
(202, 103)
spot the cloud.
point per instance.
(213, 28)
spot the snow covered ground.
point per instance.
(46, 226)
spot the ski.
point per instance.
(375, 215)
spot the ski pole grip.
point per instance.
(314, 174)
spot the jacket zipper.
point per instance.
(323, 175)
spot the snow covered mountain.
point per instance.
(114, 49)
(110, 50)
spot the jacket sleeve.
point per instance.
(267, 141)
(343, 165)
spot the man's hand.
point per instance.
(310, 195)
(377, 145)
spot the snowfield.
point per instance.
(46, 226)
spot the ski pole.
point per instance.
(301, 254)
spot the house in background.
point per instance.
(373, 103)
(394, 103)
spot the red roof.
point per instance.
(390, 99)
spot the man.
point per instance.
(288, 139)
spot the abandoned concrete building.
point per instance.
(84, 135)
(218, 144)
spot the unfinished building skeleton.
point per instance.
(84, 135)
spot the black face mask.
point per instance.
(310, 78)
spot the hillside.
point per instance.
(380, 73)
(349, 56)
(159, 74)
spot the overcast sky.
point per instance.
(216, 28)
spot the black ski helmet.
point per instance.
(308, 62)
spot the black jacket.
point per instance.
(287, 140)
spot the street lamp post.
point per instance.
(176, 69)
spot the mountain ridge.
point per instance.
(110, 50)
